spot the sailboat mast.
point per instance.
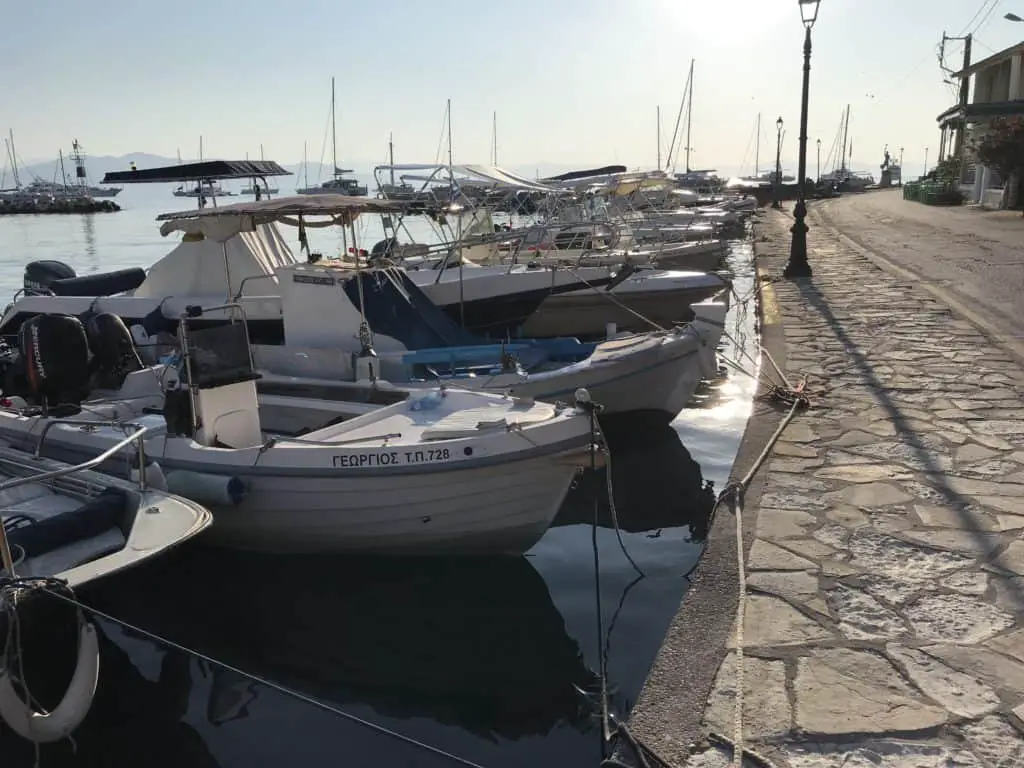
(757, 148)
(14, 161)
(448, 109)
(689, 117)
(63, 175)
(659, 137)
(391, 157)
(305, 165)
(494, 136)
(334, 135)
(200, 149)
(846, 128)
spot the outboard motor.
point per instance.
(40, 274)
(113, 349)
(54, 354)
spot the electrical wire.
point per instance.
(977, 13)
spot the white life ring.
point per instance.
(42, 728)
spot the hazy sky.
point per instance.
(572, 81)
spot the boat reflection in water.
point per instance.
(134, 720)
(471, 655)
(473, 644)
(657, 484)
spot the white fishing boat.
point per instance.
(440, 471)
(64, 526)
(493, 301)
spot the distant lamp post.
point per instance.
(777, 181)
(901, 166)
(1012, 17)
(818, 177)
(798, 265)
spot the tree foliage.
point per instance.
(1002, 147)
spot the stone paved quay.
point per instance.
(886, 574)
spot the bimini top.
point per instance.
(463, 175)
(226, 221)
(210, 170)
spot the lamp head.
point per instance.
(809, 12)
(1012, 17)
(778, 123)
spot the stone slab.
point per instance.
(839, 699)
(996, 742)
(775, 524)
(959, 693)
(766, 710)
(1000, 672)
(771, 622)
(1012, 558)
(888, 753)
(956, 619)
(765, 556)
(1012, 644)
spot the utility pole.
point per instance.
(965, 85)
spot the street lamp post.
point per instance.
(798, 265)
(901, 166)
(818, 176)
(777, 181)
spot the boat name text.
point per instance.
(387, 458)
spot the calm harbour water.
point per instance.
(494, 660)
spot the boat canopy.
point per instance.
(210, 170)
(224, 222)
(485, 174)
(607, 170)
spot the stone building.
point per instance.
(994, 90)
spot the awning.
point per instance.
(210, 170)
(982, 111)
(224, 222)
(477, 173)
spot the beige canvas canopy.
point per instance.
(224, 222)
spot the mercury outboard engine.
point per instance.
(113, 349)
(40, 274)
(52, 364)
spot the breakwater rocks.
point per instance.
(76, 205)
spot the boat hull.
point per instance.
(579, 313)
(435, 497)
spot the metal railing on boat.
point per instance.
(39, 477)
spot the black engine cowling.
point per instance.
(54, 352)
(113, 349)
(40, 274)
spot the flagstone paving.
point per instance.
(886, 581)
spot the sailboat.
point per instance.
(843, 177)
(251, 188)
(338, 184)
(391, 190)
(206, 189)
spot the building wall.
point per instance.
(999, 82)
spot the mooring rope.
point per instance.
(734, 494)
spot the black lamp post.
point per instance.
(777, 181)
(798, 265)
(818, 177)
